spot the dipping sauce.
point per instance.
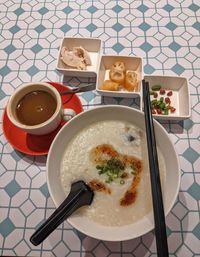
(35, 107)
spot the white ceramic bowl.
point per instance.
(131, 63)
(180, 98)
(86, 226)
(91, 45)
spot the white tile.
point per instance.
(27, 207)
(192, 243)
(14, 238)
(35, 218)
(37, 198)
(73, 241)
(20, 198)
(17, 218)
(22, 249)
(174, 241)
(190, 221)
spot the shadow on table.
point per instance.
(138, 246)
(174, 127)
(77, 81)
(178, 224)
(177, 221)
(129, 102)
(38, 160)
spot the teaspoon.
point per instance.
(85, 88)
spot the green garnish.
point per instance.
(113, 169)
(122, 182)
(159, 105)
(166, 111)
(156, 87)
(133, 166)
(133, 172)
(162, 106)
(154, 102)
(161, 99)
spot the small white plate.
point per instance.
(131, 63)
(180, 98)
(91, 45)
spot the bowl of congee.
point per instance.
(106, 148)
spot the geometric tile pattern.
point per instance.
(166, 34)
(6, 227)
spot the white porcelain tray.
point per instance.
(180, 98)
(91, 45)
(131, 63)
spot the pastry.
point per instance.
(117, 76)
(120, 66)
(131, 83)
(110, 85)
(117, 72)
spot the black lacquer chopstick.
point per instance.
(158, 208)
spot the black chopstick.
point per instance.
(158, 208)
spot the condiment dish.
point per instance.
(93, 48)
(132, 63)
(173, 91)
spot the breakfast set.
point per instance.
(43, 117)
(87, 62)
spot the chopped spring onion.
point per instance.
(122, 182)
(156, 87)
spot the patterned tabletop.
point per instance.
(166, 34)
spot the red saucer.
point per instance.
(38, 145)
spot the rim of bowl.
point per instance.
(125, 237)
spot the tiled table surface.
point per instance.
(167, 35)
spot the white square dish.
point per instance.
(131, 64)
(176, 90)
(91, 45)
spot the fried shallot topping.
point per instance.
(115, 166)
(98, 186)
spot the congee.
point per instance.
(111, 157)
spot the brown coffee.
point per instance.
(35, 107)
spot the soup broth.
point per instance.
(35, 107)
(111, 156)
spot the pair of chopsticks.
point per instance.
(158, 209)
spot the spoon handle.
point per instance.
(79, 196)
(73, 90)
(70, 91)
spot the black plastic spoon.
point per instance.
(80, 195)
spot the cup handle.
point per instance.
(68, 114)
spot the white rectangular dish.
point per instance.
(131, 64)
(91, 45)
(175, 88)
